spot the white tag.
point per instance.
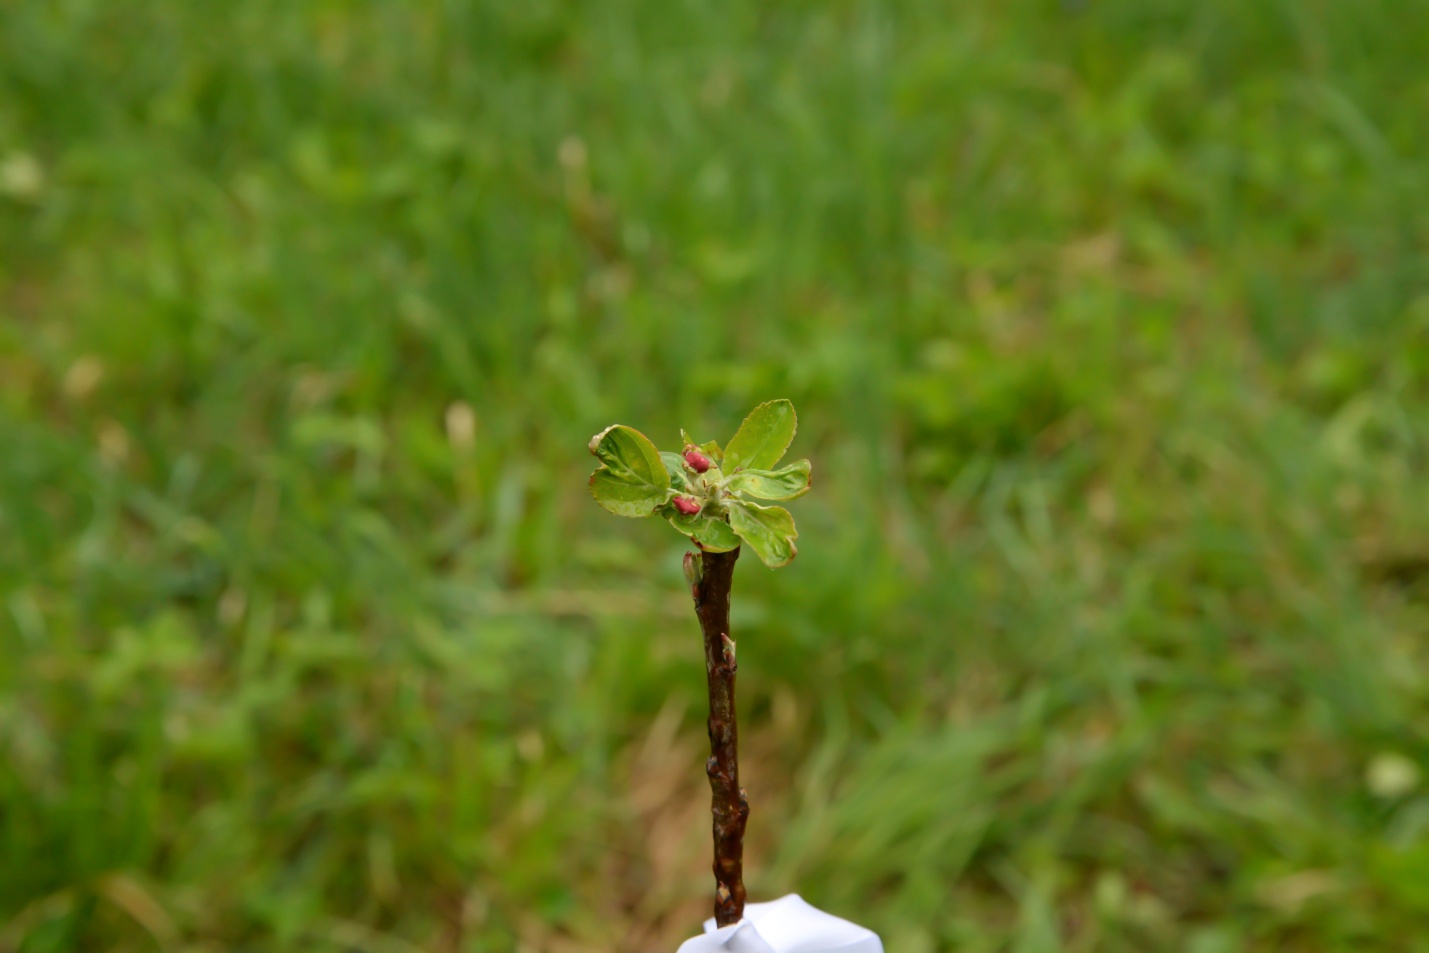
(786, 925)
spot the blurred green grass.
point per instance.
(1108, 323)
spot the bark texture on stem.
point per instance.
(727, 799)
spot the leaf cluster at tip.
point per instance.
(635, 479)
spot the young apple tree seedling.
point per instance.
(708, 494)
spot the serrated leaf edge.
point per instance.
(792, 434)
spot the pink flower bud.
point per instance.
(697, 461)
(687, 505)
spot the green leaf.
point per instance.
(710, 535)
(769, 531)
(675, 467)
(624, 498)
(763, 437)
(632, 479)
(710, 449)
(785, 484)
(628, 452)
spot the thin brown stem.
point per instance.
(727, 799)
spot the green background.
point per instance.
(1108, 326)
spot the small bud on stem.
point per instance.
(694, 569)
(687, 505)
(697, 461)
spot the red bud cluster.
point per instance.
(697, 461)
(687, 505)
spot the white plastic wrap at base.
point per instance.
(786, 925)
